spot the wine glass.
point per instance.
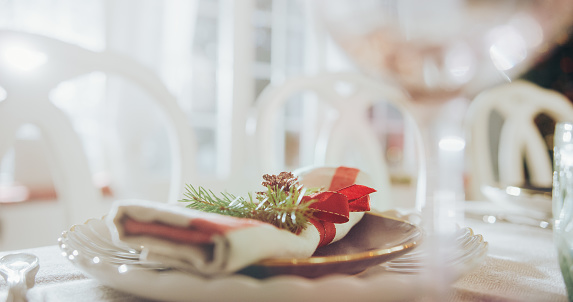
(442, 51)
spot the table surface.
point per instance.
(521, 265)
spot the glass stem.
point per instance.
(442, 211)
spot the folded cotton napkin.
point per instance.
(212, 244)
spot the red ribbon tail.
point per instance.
(361, 204)
(326, 231)
(355, 191)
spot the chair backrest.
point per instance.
(349, 127)
(27, 102)
(520, 141)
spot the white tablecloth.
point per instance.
(521, 265)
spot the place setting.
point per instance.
(171, 252)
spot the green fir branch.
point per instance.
(277, 206)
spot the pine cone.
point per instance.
(284, 181)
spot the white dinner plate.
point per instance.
(90, 248)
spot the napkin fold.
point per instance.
(213, 244)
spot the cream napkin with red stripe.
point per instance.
(212, 244)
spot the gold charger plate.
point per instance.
(374, 240)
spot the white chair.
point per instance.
(518, 104)
(27, 102)
(348, 130)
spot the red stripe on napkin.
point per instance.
(199, 230)
(188, 235)
(343, 177)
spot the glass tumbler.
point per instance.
(563, 201)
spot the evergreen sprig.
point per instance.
(280, 206)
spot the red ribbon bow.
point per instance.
(335, 207)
